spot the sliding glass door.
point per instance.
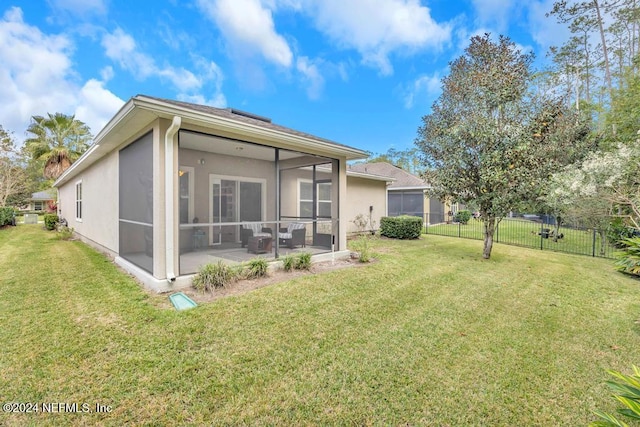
(233, 200)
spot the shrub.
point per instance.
(618, 231)
(288, 262)
(65, 233)
(462, 217)
(6, 216)
(627, 391)
(629, 258)
(362, 247)
(211, 276)
(255, 268)
(50, 221)
(304, 261)
(360, 221)
(401, 227)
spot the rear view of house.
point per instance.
(168, 186)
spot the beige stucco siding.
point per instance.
(99, 221)
(362, 193)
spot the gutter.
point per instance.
(169, 191)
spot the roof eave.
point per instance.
(199, 117)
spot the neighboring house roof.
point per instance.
(41, 195)
(141, 110)
(357, 174)
(403, 179)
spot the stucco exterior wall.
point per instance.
(99, 223)
(361, 194)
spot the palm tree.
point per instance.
(58, 140)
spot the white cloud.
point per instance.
(425, 86)
(248, 28)
(96, 105)
(312, 76)
(37, 76)
(212, 75)
(495, 13)
(545, 31)
(122, 48)
(377, 30)
(80, 7)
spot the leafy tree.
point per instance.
(58, 140)
(625, 108)
(12, 178)
(585, 16)
(407, 160)
(488, 141)
(604, 186)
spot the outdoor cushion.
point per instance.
(256, 228)
(292, 226)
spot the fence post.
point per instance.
(541, 235)
(459, 234)
(497, 232)
(593, 249)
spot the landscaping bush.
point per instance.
(288, 262)
(211, 276)
(65, 233)
(462, 217)
(627, 391)
(51, 221)
(304, 261)
(401, 227)
(618, 231)
(362, 247)
(255, 268)
(629, 258)
(7, 216)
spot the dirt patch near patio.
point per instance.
(243, 286)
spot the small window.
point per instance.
(323, 194)
(79, 201)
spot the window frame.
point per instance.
(318, 202)
(78, 198)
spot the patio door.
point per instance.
(233, 200)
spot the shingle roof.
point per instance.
(42, 195)
(245, 117)
(403, 179)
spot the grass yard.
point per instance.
(430, 334)
(527, 233)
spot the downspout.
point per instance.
(169, 191)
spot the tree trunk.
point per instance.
(605, 53)
(489, 229)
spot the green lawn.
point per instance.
(527, 233)
(430, 334)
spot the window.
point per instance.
(306, 199)
(79, 201)
(37, 206)
(186, 180)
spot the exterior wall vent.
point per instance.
(250, 115)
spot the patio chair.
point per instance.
(293, 235)
(253, 230)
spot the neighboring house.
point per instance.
(366, 195)
(168, 186)
(407, 194)
(40, 201)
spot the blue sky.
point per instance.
(359, 72)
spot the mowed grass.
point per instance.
(430, 334)
(527, 233)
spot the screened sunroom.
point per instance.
(239, 200)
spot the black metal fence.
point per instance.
(531, 231)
